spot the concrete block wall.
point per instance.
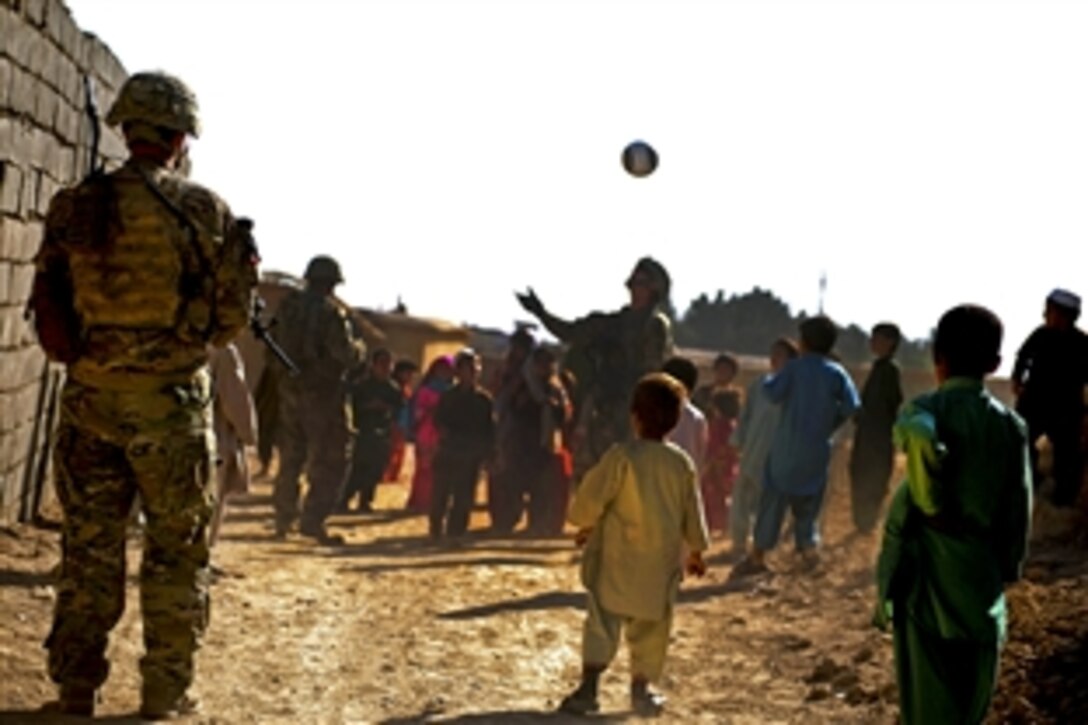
(45, 137)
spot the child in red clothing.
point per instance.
(722, 458)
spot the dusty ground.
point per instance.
(390, 629)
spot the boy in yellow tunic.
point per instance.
(635, 510)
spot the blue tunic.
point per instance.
(817, 396)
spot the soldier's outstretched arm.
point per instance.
(565, 330)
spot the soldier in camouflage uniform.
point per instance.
(315, 419)
(608, 354)
(138, 272)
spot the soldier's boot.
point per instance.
(319, 534)
(584, 699)
(76, 700)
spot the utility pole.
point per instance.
(823, 291)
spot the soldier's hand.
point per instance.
(530, 302)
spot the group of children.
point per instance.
(954, 537)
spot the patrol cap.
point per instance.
(1064, 298)
(159, 99)
(323, 267)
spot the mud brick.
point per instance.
(69, 82)
(5, 282)
(47, 189)
(8, 138)
(7, 418)
(11, 327)
(37, 47)
(26, 403)
(35, 11)
(45, 105)
(31, 241)
(19, 242)
(64, 164)
(5, 81)
(29, 196)
(55, 12)
(70, 36)
(11, 187)
(10, 478)
(16, 141)
(24, 92)
(19, 366)
(50, 72)
(13, 36)
(11, 239)
(66, 123)
(41, 147)
(22, 279)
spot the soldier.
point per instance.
(139, 270)
(609, 353)
(315, 420)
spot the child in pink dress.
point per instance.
(722, 460)
(439, 379)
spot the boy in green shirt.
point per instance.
(957, 530)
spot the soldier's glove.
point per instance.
(530, 302)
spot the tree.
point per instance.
(748, 323)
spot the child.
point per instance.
(753, 436)
(424, 433)
(1051, 379)
(872, 456)
(817, 396)
(235, 424)
(957, 529)
(720, 471)
(726, 368)
(635, 509)
(690, 434)
(466, 426)
(404, 373)
(375, 402)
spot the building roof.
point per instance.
(432, 325)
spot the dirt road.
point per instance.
(391, 629)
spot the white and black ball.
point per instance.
(639, 159)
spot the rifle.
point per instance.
(262, 332)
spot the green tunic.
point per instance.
(955, 535)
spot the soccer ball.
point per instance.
(639, 159)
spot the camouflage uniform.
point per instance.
(315, 430)
(608, 353)
(138, 271)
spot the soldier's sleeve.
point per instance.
(657, 343)
(236, 277)
(51, 299)
(340, 341)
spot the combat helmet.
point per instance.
(158, 99)
(324, 268)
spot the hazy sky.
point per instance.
(922, 154)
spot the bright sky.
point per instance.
(922, 154)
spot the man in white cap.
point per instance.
(1051, 382)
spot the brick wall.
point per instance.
(44, 145)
